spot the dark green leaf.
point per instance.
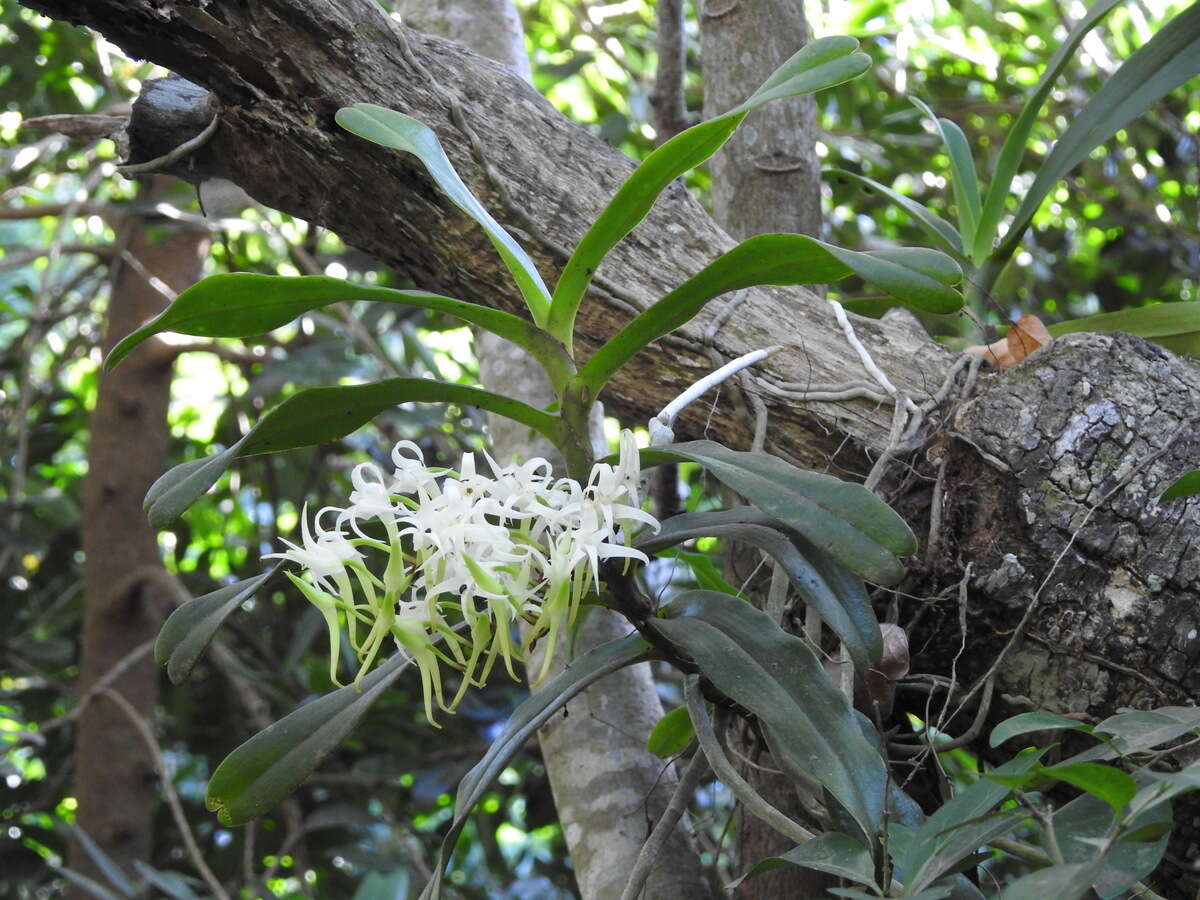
(1167, 60)
(523, 723)
(1015, 141)
(810, 727)
(917, 277)
(189, 629)
(273, 763)
(672, 734)
(967, 805)
(1080, 824)
(934, 225)
(842, 602)
(242, 304)
(320, 415)
(960, 842)
(400, 132)
(1033, 721)
(1172, 784)
(707, 573)
(1066, 882)
(1185, 486)
(846, 521)
(831, 852)
(820, 64)
(1112, 785)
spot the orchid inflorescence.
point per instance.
(479, 551)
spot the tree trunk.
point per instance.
(280, 69)
(115, 777)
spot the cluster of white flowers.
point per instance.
(464, 547)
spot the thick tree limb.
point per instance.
(280, 69)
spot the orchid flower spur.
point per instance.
(432, 548)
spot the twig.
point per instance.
(169, 791)
(678, 804)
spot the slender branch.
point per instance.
(668, 98)
(657, 840)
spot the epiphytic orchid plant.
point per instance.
(441, 565)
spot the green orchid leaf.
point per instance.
(1175, 326)
(933, 225)
(846, 521)
(843, 607)
(820, 64)
(1013, 151)
(916, 277)
(810, 727)
(963, 178)
(400, 132)
(523, 724)
(833, 853)
(242, 304)
(319, 415)
(180, 486)
(1185, 486)
(672, 734)
(960, 842)
(273, 763)
(1033, 721)
(1136, 730)
(190, 628)
(1165, 62)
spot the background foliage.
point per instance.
(1122, 232)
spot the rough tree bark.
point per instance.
(280, 68)
(766, 179)
(115, 777)
(608, 789)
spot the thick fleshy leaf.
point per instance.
(1013, 151)
(671, 734)
(1108, 783)
(918, 850)
(400, 132)
(1168, 785)
(1085, 820)
(916, 277)
(320, 415)
(833, 853)
(1185, 486)
(180, 486)
(1026, 723)
(933, 225)
(523, 723)
(273, 763)
(1175, 326)
(820, 64)
(846, 610)
(964, 179)
(242, 304)
(846, 521)
(811, 729)
(1166, 61)
(1065, 882)
(189, 629)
